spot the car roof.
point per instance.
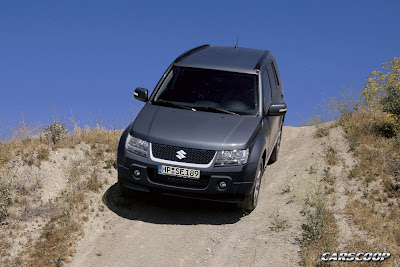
(243, 60)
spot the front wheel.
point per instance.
(251, 200)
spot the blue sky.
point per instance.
(86, 57)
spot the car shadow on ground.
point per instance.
(159, 209)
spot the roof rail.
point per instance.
(260, 61)
(191, 51)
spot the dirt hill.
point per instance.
(66, 209)
(148, 231)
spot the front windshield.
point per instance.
(202, 88)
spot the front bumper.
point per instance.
(239, 179)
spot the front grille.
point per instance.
(197, 156)
(155, 177)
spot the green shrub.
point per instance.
(382, 88)
(54, 132)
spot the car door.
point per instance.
(276, 98)
(267, 100)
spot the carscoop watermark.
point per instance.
(354, 256)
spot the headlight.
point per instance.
(232, 157)
(136, 146)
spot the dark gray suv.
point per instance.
(209, 128)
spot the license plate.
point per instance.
(178, 171)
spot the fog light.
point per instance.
(222, 185)
(136, 173)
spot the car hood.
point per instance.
(195, 129)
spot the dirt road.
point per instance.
(148, 231)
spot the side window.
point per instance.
(275, 74)
(266, 88)
(272, 80)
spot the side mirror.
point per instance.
(141, 94)
(277, 109)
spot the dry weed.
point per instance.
(331, 156)
(63, 217)
(376, 210)
(319, 229)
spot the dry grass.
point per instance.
(331, 156)
(373, 206)
(279, 224)
(5, 245)
(93, 182)
(35, 158)
(56, 241)
(376, 210)
(319, 229)
(33, 147)
(322, 130)
(43, 154)
(5, 190)
(327, 241)
(63, 216)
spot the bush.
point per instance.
(54, 132)
(382, 88)
(368, 123)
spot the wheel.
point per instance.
(250, 201)
(275, 152)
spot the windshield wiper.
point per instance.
(219, 110)
(170, 104)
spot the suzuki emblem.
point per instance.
(181, 154)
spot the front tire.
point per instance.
(251, 200)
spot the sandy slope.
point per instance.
(150, 231)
